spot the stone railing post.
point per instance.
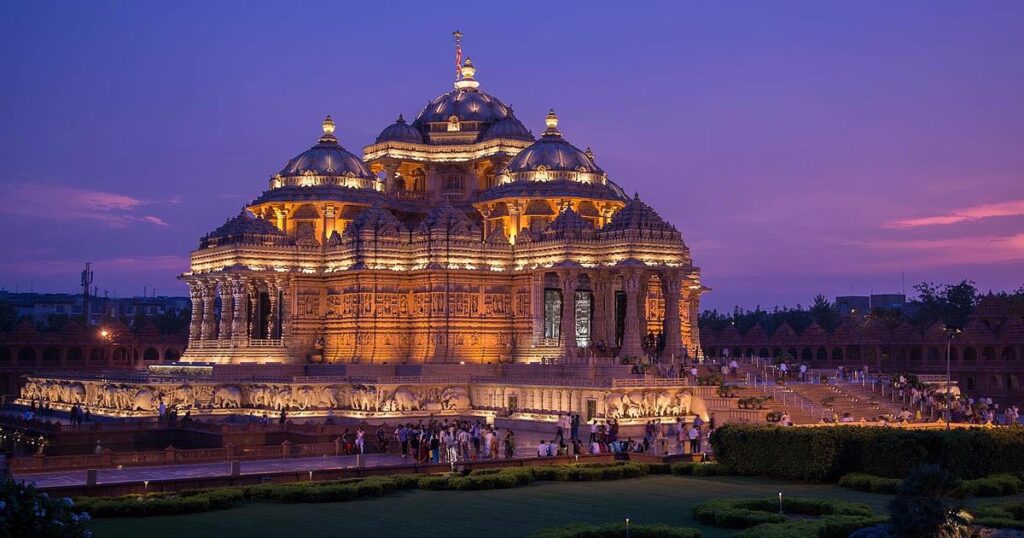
(286, 449)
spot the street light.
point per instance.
(951, 333)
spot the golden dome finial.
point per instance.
(467, 69)
(328, 125)
(551, 120)
(468, 72)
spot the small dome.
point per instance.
(327, 158)
(400, 131)
(552, 153)
(243, 228)
(509, 127)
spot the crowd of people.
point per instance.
(449, 441)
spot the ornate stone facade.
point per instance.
(457, 238)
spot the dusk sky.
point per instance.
(800, 147)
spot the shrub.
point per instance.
(928, 503)
(617, 530)
(1003, 515)
(139, 506)
(658, 468)
(26, 511)
(710, 469)
(826, 527)
(993, 486)
(683, 468)
(433, 482)
(869, 483)
(745, 513)
(828, 453)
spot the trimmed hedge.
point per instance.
(869, 483)
(191, 501)
(826, 527)
(827, 453)
(990, 486)
(617, 530)
(746, 513)
(1003, 515)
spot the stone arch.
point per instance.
(806, 355)
(51, 355)
(792, 353)
(933, 354)
(1009, 353)
(995, 382)
(763, 353)
(988, 353)
(777, 352)
(171, 355)
(1013, 382)
(915, 355)
(970, 354)
(75, 354)
(97, 355)
(5, 354)
(749, 353)
(120, 354)
(837, 354)
(969, 383)
(151, 354)
(954, 355)
(26, 355)
(822, 354)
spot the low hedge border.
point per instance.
(990, 486)
(193, 501)
(826, 527)
(617, 530)
(1008, 515)
(746, 513)
(688, 468)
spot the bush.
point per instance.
(710, 469)
(1003, 515)
(658, 468)
(993, 486)
(828, 453)
(433, 482)
(617, 530)
(140, 506)
(746, 513)
(826, 527)
(26, 511)
(869, 483)
(683, 468)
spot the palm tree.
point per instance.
(928, 505)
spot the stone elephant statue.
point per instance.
(305, 397)
(405, 399)
(455, 398)
(364, 399)
(281, 398)
(227, 397)
(74, 393)
(145, 400)
(613, 405)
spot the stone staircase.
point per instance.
(844, 398)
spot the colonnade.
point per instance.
(239, 316)
(603, 284)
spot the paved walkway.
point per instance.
(526, 447)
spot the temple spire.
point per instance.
(328, 127)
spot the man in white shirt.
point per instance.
(542, 449)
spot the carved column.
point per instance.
(537, 304)
(227, 309)
(569, 282)
(601, 308)
(272, 317)
(670, 288)
(254, 309)
(195, 327)
(209, 327)
(286, 307)
(631, 335)
(238, 300)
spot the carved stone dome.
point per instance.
(400, 131)
(553, 158)
(326, 159)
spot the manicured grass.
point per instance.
(493, 513)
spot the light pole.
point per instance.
(951, 332)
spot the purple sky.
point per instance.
(801, 147)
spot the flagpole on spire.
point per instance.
(458, 54)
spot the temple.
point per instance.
(459, 237)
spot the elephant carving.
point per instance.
(145, 400)
(227, 397)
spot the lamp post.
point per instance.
(951, 332)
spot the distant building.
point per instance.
(852, 304)
(37, 307)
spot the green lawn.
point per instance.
(490, 513)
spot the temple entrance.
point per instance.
(262, 312)
(620, 317)
(513, 403)
(584, 317)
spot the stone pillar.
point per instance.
(286, 307)
(631, 284)
(670, 288)
(195, 328)
(238, 297)
(537, 305)
(209, 328)
(254, 309)
(568, 329)
(227, 309)
(272, 318)
(602, 307)
(515, 220)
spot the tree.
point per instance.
(8, 317)
(928, 504)
(26, 511)
(824, 313)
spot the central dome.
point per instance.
(470, 110)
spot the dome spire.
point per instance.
(551, 120)
(468, 71)
(328, 127)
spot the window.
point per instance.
(453, 182)
(552, 313)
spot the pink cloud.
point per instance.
(984, 211)
(63, 203)
(929, 253)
